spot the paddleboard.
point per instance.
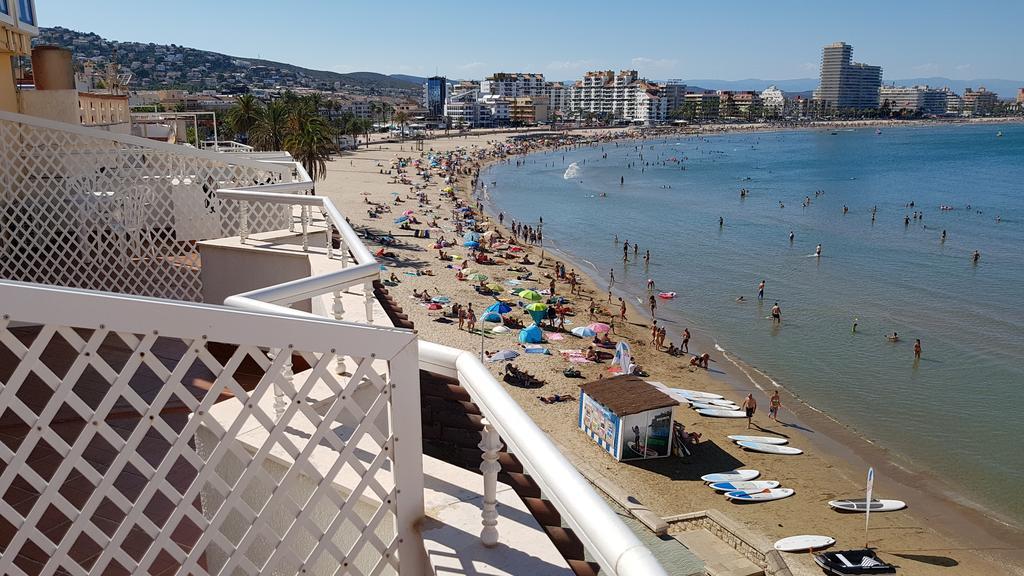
(696, 404)
(744, 486)
(720, 413)
(759, 439)
(803, 543)
(770, 448)
(731, 476)
(860, 505)
(689, 395)
(761, 495)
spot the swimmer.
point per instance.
(791, 236)
(976, 256)
(740, 299)
(817, 251)
(721, 221)
(894, 337)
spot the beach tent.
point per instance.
(471, 237)
(627, 417)
(532, 334)
(622, 356)
(491, 317)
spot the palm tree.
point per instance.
(271, 127)
(244, 115)
(402, 118)
(311, 144)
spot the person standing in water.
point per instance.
(976, 256)
(622, 180)
(917, 349)
(791, 236)
(721, 222)
(817, 251)
(686, 341)
(760, 290)
(776, 314)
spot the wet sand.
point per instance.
(834, 462)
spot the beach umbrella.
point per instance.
(440, 299)
(471, 236)
(583, 332)
(491, 317)
(499, 330)
(599, 327)
(499, 307)
(476, 277)
(493, 287)
(502, 355)
(537, 315)
(401, 219)
(622, 356)
(407, 213)
(531, 295)
(532, 334)
(471, 244)
(537, 307)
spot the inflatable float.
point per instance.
(667, 295)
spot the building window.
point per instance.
(26, 12)
(4, 9)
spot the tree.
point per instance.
(271, 128)
(244, 115)
(402, 118)
(311, 144)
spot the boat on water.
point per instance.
(999, 134)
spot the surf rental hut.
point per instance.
(628, 417)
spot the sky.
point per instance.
(662, 39)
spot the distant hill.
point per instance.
(418, 80)
(173, 66)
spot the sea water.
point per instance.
(959, 411)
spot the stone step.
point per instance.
(719, 558)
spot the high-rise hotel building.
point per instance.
(846, 84)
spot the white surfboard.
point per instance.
(721, 413)
(689, 395)
(741, 486)
(761, 495)
(731, 476)
(759, 439)
(860, 505)
(770, 448)
(722, 403)
(803, 543)
(697, 404)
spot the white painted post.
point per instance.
(490, 445)
(304, 217)
(330, 240)
(368, 295)
(288, 376)
(243, 225)
(407, 453)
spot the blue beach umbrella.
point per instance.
(491, 317)
(471, 237)
(471, 244)
(499, 307)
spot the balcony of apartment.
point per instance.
(200, 374)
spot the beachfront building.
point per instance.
(198, 352)
(701, 106)
(615, 96)
(739, 105)
(651, 106)
(558, 99)
(528, 110)
(774, 102)
(978, 102)
(514, 85)
(674, 92)
(435, 93)
(844, 84)
(914, 99)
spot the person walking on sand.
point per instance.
(654, 332)
(776, 314)
(470, 318)
(686, 341)
(760, 290)
(917, 349)
(462, 317)
(773, 406)
(622, 309)
(749, 406)
(611, 278)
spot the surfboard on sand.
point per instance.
(713, 413)
(861, 505)
(759, 439)
(803, 543)
(731, 476)
(761, 495)
(770, 448)
(747, 486)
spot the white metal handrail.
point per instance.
(613, 545)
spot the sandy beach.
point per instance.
(920, 539)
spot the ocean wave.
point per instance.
(572, 172)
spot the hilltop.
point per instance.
(155, 66)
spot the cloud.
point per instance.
(471, 66)
(569, 64)
(928, 68)
(962, 67)
(809, 67)
(648, 63)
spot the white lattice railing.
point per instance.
(144, 432)
(87, 208)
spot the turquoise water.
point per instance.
(958, 411)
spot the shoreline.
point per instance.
(961, 517)
(553, 419)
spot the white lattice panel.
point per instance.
(126, 449)
(89, 209)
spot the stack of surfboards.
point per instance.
(741, 486)
(765, 444)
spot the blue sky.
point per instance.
(562, 39)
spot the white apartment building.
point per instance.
(558, 99)
(651, 106)
(913, 99)
(466, 109)
(615, 96)
(773, 99)
(514, 85)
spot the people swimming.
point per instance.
(817, 251)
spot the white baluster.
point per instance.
(243, 225)
(490, 444)
(288, 376)
(368, 295)
(304, 216)
(330, 239)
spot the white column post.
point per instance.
(490, 445)
(287, 376)
(304, 217)
(407, 453)
(243, 224)
(330, 239)
(368, 295)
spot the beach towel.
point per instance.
(554, 336)
(537, 350)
